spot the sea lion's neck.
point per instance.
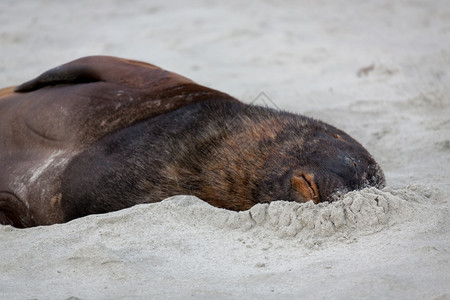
(234, 157)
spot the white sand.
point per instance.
(305, 56)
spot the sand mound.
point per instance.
(357, 213)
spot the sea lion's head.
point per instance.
(312, 160)
(303, 159)
(332, 163)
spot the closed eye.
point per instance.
(310, 183)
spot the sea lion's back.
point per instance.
(85, 99)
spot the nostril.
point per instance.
(350, 161)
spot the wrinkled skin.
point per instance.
(102, 133)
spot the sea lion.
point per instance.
(101, 133)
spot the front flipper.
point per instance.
(13, 211)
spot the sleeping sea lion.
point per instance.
(100, 134)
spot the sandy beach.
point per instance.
(379, 70)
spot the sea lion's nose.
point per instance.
(352, 163)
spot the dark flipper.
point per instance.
(70, 74)
(133, 74)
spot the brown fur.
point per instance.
(100, 134)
